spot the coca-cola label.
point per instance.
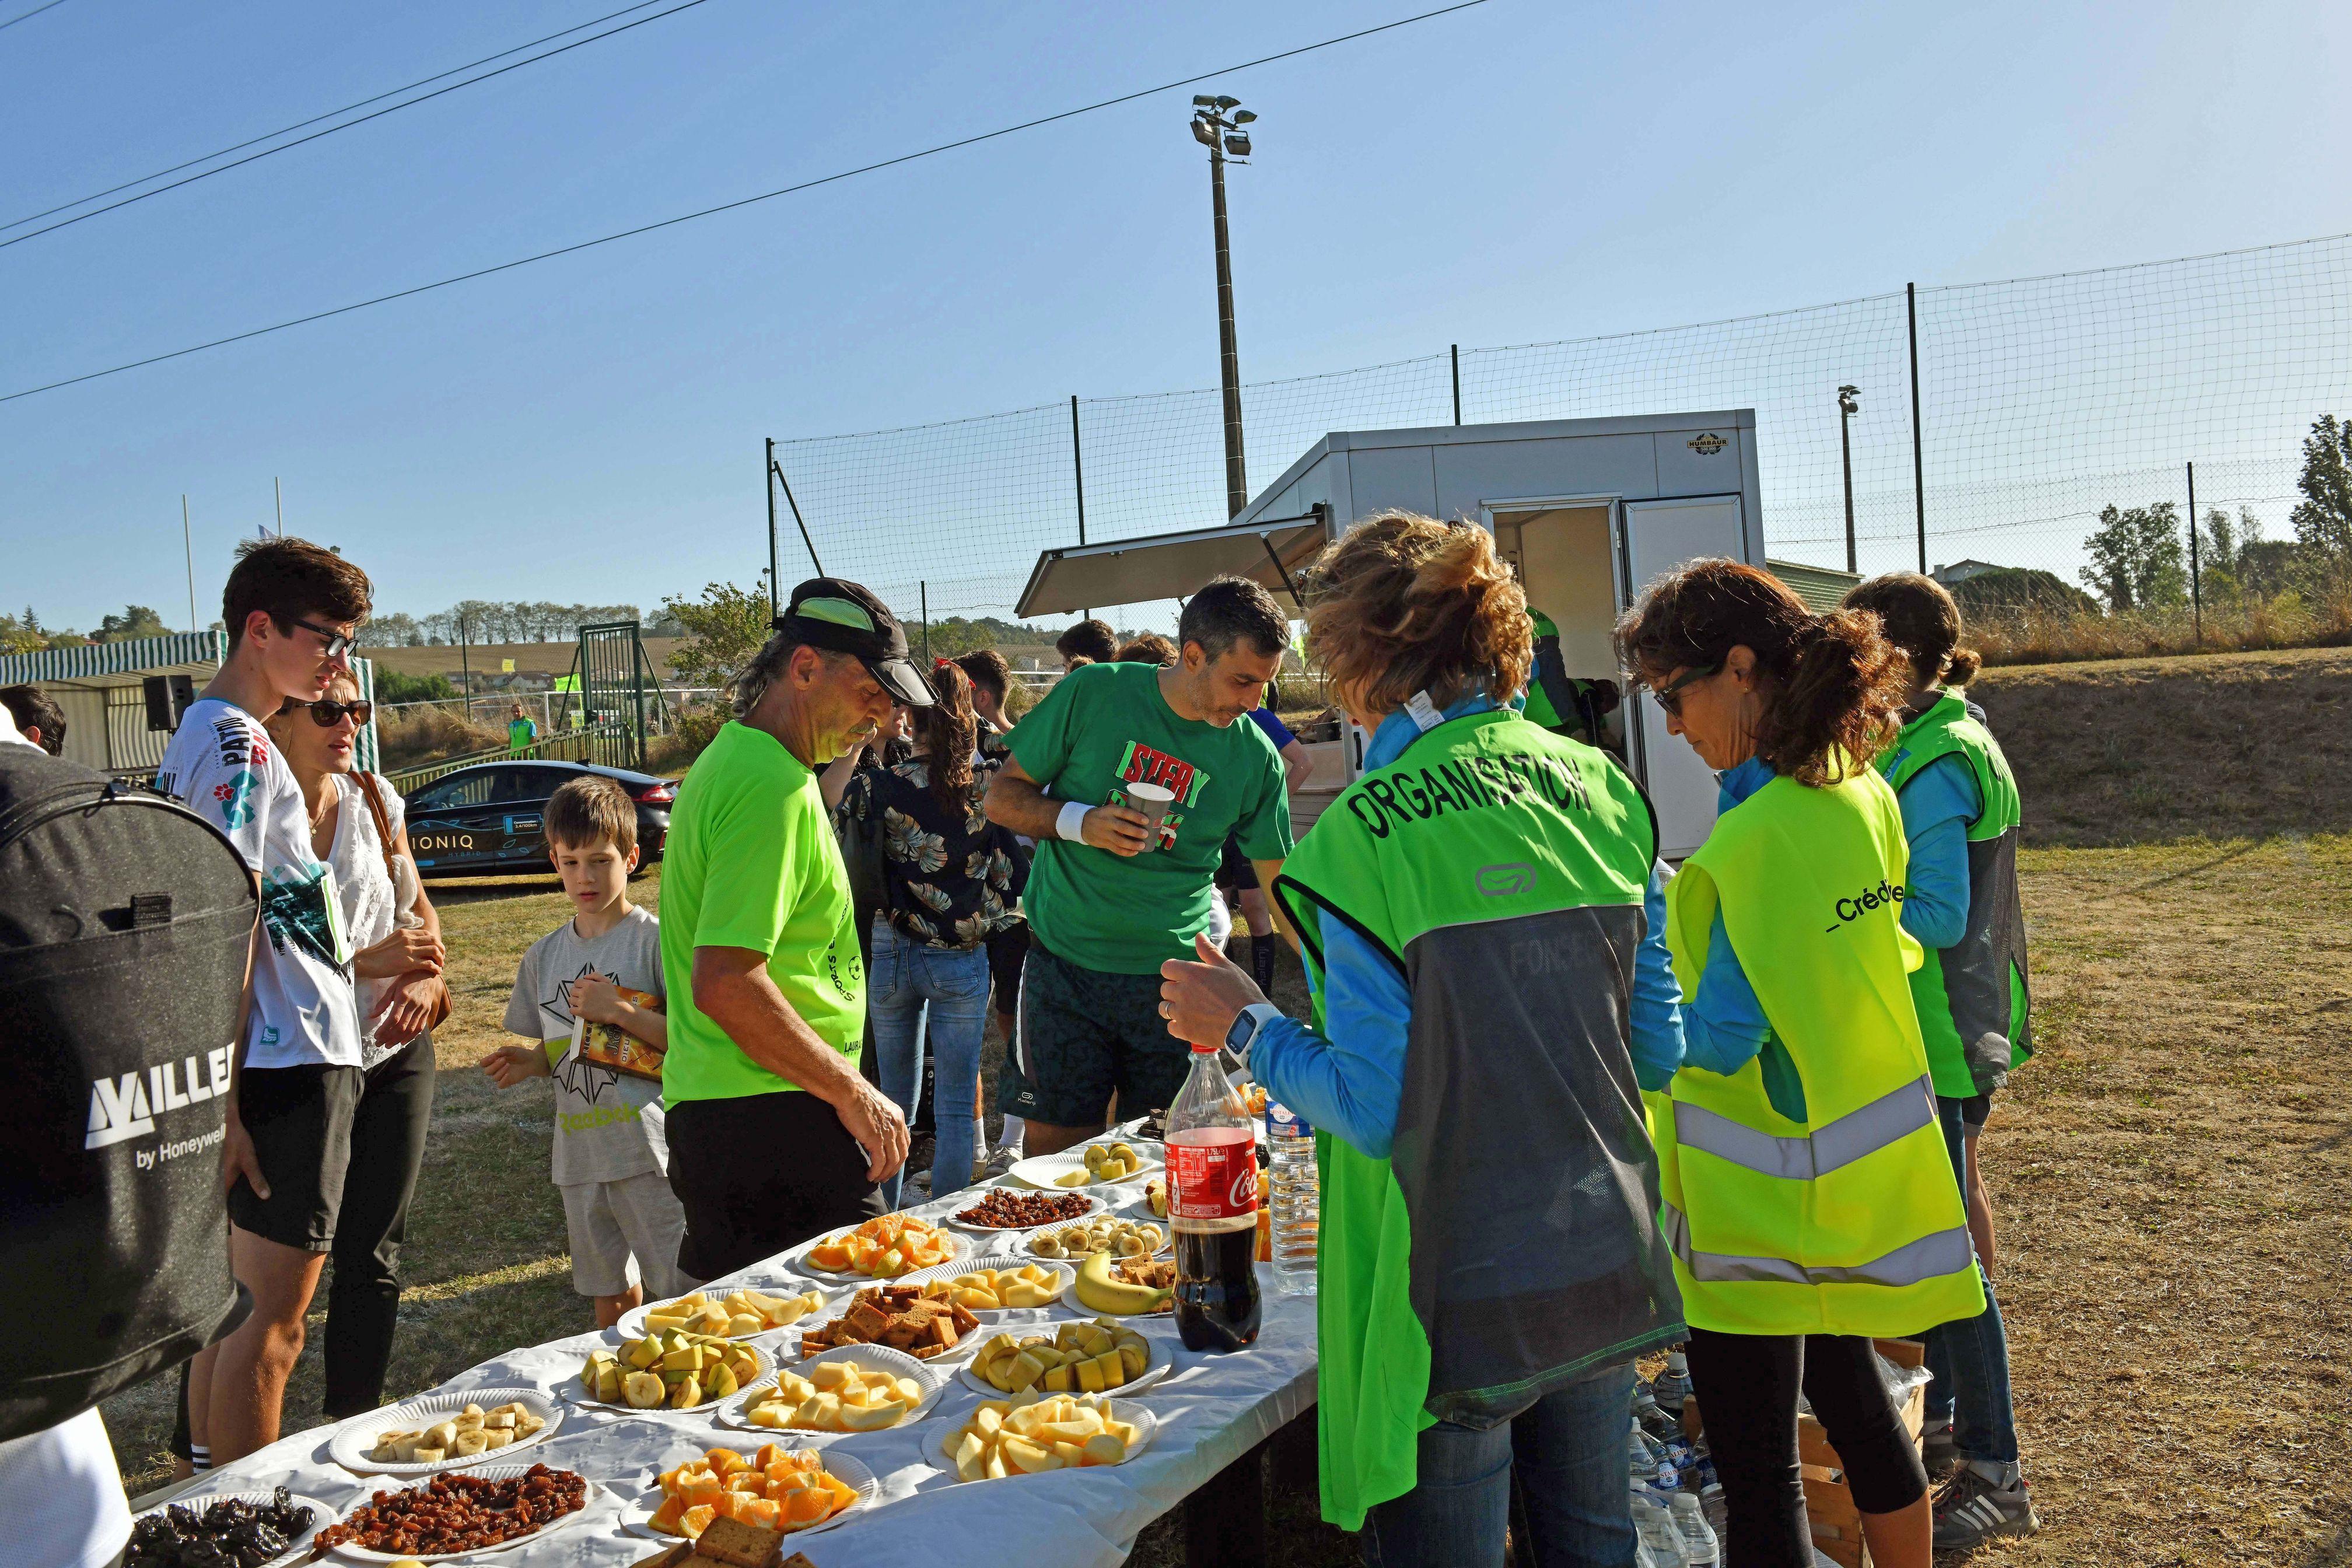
(1216, 1180)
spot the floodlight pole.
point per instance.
(1845, 452)
(1228, 353)
(768, 482)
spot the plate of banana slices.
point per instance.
(1103, 1232)
(445, 1431)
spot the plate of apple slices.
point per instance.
(1027, 1436)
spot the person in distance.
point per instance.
(1961, 821)
(1479, 916)
(1809, 1197)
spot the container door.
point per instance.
(1655, 537)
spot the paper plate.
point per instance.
(1041, 1169)
(938, 1272)
(321, 1515)
(958, 1247)
(632, 1325)
(357, 1554)
(847, 1469)
(1095, 1204)
(732, 1413)
(1026, 1249)
(355, 1438)
(940, 1450)
(1155, 1368)
(760, 1354)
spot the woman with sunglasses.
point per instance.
(1808, 1197)
(358, 828)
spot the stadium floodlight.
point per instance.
(1202, 134)
(1228, 102)
(1203, 100)
(1245, 117)
(1237, 145)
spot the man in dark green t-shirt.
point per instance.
(1106, 906)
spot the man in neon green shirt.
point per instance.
(776, 1137)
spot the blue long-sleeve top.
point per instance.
(1938, 803)
(1349, 1080)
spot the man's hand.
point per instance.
(510, 1065)
(238, 1158)
(1121, 829)
(1202, 1000)
(872, 1118)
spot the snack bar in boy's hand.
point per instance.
(610, 1045)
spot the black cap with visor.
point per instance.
(835, 613)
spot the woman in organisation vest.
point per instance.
(1961, 818)
(1478, 915)
(1809, 1200)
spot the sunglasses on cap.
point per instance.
(1670, 696)
(327, 713)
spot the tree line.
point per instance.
(501, 621)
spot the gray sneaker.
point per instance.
(999, 1163)
(1973, 1508)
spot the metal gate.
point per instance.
(614, 696)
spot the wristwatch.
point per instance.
(1245, 1027)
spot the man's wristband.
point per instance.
(1071, 825)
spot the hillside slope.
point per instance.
(2143, 751)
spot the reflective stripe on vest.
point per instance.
(1840, 1143)
(1931, 1256)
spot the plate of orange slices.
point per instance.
(881, 1248)
(776, 1487)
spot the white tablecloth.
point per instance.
(1212, 1410)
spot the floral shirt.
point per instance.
(953, 878)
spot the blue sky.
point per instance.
(589, 428)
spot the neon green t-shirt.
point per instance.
(1104, 726)
(751, 862)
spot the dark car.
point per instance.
(485, 820)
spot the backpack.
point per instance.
(126, 923)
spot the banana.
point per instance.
(1100, 1292)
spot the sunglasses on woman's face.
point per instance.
(327, 714)
(1670, 695)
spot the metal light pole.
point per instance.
(1847, 407)
(1214, 130)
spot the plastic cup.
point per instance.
(1152, 800)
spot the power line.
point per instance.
(744, 202)
(346, 125)
(28, 16)
(289, 129)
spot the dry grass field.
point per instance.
(2172, 1173)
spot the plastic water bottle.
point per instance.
(1292, 1184)
(1656, 1529)
(1672, 1386)
(1699, 1545)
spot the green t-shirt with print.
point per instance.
(1107, 725)
(751, 862)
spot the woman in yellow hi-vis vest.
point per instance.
(1807, 1193)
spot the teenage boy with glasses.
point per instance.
(291, 610)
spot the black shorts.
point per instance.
(1006, 950)
(760, 1174)
(1083, 1033)
(299, 1119)
(1975, 1111)
(1235, 872)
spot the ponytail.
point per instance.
(1920, 617)
(950, 730)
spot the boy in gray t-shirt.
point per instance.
(603, 966)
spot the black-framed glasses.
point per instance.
(326, 713)
(338, 645)
(1670, 695)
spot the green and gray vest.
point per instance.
(1509, 1245)
(1972, 996)
(1557, 700)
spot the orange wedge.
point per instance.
(695, 1520)
(665, 1517)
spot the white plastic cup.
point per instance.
(1153, 801)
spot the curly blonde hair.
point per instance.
(1403, 604)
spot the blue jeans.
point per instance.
(952, 982)
(1569, 1448)
(1969, 1358)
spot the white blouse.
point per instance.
(371, 905)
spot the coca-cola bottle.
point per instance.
(1212, 1208)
